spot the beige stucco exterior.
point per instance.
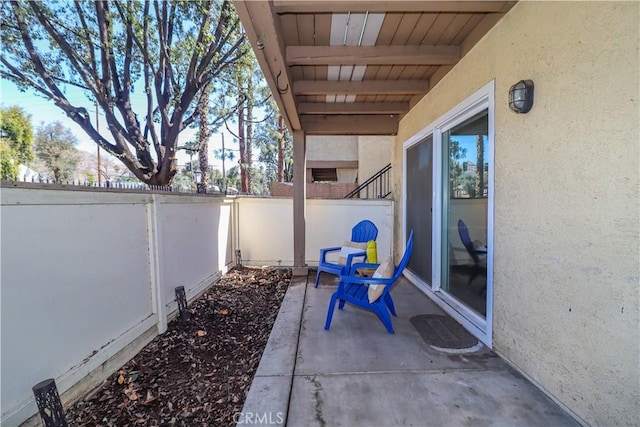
(332, 148)
(366, 155)
(566, 214)
(373, 155)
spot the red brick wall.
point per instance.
(314, 190)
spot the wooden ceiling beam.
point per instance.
(366, 87)
(342, 6)
(372, 55)
(353, 107)
(483, 27)
(263, 30)
(357, 124)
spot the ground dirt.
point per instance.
(198, 373)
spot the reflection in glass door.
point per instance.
(465, 170)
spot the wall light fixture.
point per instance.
(521, 96)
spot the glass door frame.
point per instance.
(484, 98)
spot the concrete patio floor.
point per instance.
(357, 374)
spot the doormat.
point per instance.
(442, 331)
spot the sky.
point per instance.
(468, 143)
(44, 111)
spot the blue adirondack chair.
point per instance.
(362, 232)
(353, 289)
(474, 253)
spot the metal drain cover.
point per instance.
(442, 331)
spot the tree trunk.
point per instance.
(249, 135)
(243, 152)
(203, 138)
(480, 167)
(280, 148)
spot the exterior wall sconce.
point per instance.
(521, 96)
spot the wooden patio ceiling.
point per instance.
(355, 67)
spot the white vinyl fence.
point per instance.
(85, 274)
(88, 277)
(265, 227)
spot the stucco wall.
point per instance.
(566, 256)
(332, 148)
(374, 153)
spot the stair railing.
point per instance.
(376, 187)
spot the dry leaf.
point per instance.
(202, 333)
(150, 398)
(121, 379)
(151, 406)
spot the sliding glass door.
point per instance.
(448, 202)
(465, 172)
(418, 217)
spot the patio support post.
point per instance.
(299, 202)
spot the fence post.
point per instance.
(155, 262)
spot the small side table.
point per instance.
(365, 272)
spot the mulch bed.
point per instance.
(198, 372)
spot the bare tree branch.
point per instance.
(87, 36)
(105, 48)
(79, 64)
(18, 76)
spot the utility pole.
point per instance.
(190, 148)
(192, 168)
(224, 173)
(98, 130)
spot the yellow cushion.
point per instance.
(349, 248)
(372, 252)
(384, 271)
